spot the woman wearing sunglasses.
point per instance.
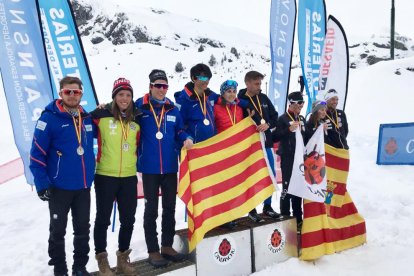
(116, 174)
(161, 126)
(227, 111)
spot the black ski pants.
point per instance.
(79, 202)
(124, 191)
(286, 200)
(168, 184)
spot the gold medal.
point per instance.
(159, 135)
(206, 122)
(80, 150)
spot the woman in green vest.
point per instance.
(116, 177)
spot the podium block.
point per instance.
(222, 252)
(274, 240)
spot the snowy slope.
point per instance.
(383, 194)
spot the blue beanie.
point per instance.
(227, 85)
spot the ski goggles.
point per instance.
(202, 78)
(297, 102)
(160, 85)
(71, 92)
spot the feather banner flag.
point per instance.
(335, 225)
(334, 70)
(223, 178)
(311, 35)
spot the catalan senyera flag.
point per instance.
(335, 225)
(223, 178)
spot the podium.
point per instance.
(221, 252)
(247, 248)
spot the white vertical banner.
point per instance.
(308, 178)
(334, 70)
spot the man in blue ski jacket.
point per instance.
(63, 165)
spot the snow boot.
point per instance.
(103, 264)
(123, 265)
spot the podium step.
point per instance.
(145, 269)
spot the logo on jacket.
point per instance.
(224, 250)
(112, 127)
(276, 240)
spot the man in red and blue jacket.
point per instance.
(196, 102)
(62, 162)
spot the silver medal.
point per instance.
(159, 135)
(125, 146)
(262, 121)
(80, 150)
(206, 122)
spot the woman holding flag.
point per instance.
(116, 174)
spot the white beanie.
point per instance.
(330, 94)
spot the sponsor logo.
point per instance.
(65, 125)
(41, 125)
(88, 127)
(276, 240)
(170, 118)
(224, 250)
(391, 146)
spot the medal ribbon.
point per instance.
(78, 128)
(203, 107)
(233, 120)
(255, 107)
(293, 119)
(331, 119)
(125, 129)
(158, 123)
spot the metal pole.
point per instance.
(392, 30)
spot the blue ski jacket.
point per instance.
(54, 160)
(159, 156)
(192, 114)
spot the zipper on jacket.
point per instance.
(84, 173)
(58, 164)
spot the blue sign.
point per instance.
(396, 144)
(282, 29)
(24, 72)
(311, 36)
(64, 49)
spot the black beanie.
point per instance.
(295, 96)
(157, 74)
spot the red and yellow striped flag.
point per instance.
(336, 224)
(223, 178)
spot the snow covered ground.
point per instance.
(382, 194)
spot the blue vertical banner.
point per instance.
(24, 72)
(311, 34)
(64, 49)
(282, 30)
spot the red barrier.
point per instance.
(11, 170)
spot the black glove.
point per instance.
(44, 194)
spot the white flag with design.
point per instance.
(308, 178)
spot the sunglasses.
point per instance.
(322, 103)
(231, 83)
(202, 78)
(159, 85)
(68, 91)
(298, 102)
